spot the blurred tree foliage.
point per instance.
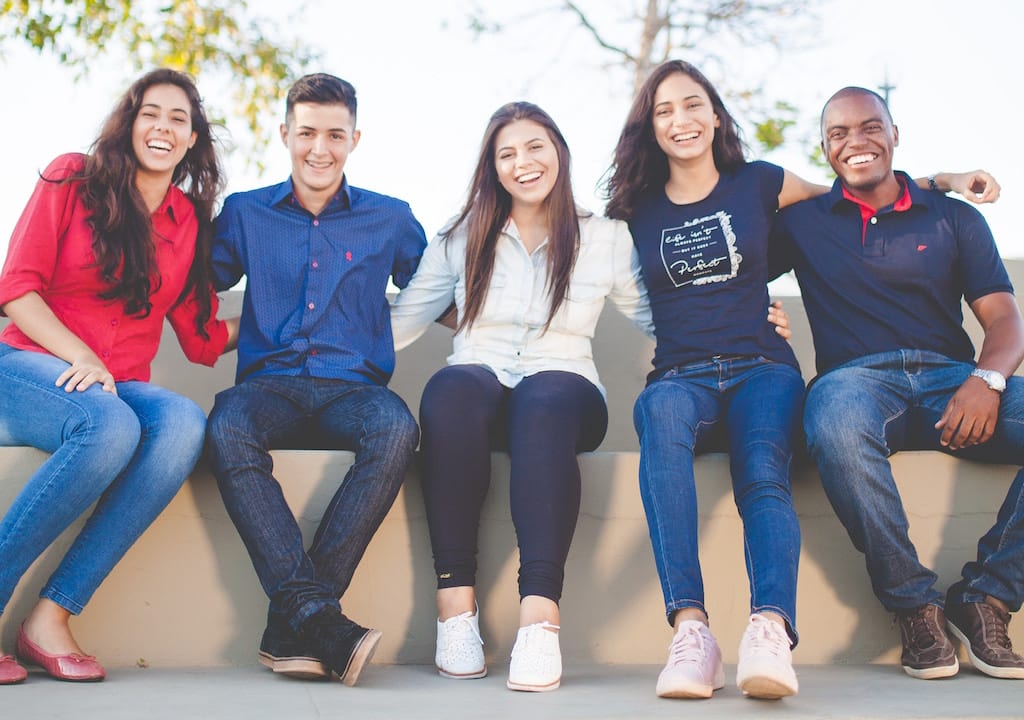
(641, 34)
(220, 38)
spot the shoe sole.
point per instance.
(977, 662)
(360, 657)
(933, 673)
(462, 676)
(764, 688)
(298, 667)
(533, 688)
(691, 692)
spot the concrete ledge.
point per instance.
(186, 594)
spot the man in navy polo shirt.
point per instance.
(882, 268)
(314, 357)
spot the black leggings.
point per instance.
(542, 422)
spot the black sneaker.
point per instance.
(982, 629)
(282, 651)
(928, 652)
(344, 646)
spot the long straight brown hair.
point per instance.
(488, 207)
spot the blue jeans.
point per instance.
(129, 453)
(863, 411)
(267, 412)
(751, 407)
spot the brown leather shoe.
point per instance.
(73, 667)
(928, 653)
(982, 629)
(10, 671)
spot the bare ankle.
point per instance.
(455, 601)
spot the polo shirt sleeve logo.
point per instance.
(701, 251)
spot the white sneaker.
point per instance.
(694, 667)
(765, 668)
(460, 649)
(536, 659)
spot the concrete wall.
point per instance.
(186, 594)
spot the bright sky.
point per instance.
(427, 87)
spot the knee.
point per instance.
(663, 404)
(835, 417)
(394, 423)
(452, 396)
(228, 427)
(111, 426)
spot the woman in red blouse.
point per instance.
(109, 245)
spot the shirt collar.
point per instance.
(286, 193)
(911, 195)
(176, 205)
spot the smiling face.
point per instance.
(859, 138)
(526, 161)
(683, 119)
(319, 139)
(162, 131)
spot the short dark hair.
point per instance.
(847, 92)
(321, 89)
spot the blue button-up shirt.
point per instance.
(315, 301)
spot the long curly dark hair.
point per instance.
(122, 229)
(639, 165)
(488, 207)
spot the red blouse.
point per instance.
(51, 253)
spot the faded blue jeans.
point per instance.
(750, 407)
(863, 411)
(276, 411)
(128, 453)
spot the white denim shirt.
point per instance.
(508, 335)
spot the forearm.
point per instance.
(1003, 348)
(35, 318)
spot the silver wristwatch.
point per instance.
(992, 378)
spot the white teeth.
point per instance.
(861, 159)
(684, 137)
(158, 145)
(528, 177)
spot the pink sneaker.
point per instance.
(765, 668)
(694, 667)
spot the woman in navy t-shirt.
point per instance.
(700, 216)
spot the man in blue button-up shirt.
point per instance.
(315, 354)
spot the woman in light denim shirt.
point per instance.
(528, 272)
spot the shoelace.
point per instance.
(534, 632)
(463, 626)
(767, 637)
(995, 627)
(688, 647)
(921, 630)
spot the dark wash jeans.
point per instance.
(267, 412)
(863, 411)
(751, 407)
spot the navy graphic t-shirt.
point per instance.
(705, 265)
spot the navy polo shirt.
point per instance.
(705, 265)
(892, 281)
(315, 302)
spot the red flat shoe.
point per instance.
(10, 671)
(73, 667)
